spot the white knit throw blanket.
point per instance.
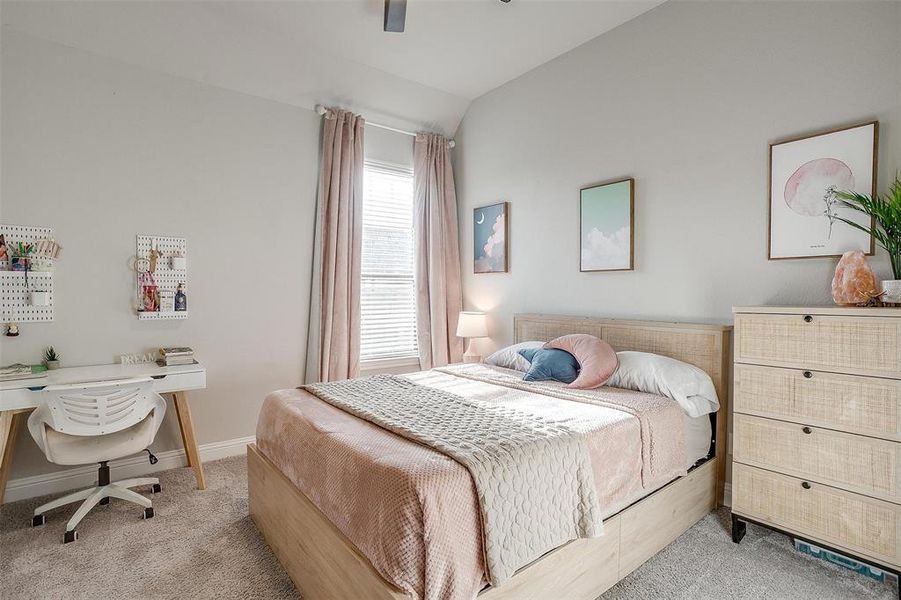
(533, 477)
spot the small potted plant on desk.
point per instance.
(51, 359)
(885, 213)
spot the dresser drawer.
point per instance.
(859, 524)
(852, 462)
(856, 345)
(866, 405)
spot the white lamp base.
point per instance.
(470, 355)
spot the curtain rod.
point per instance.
(321, 110)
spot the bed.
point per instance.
(352, 510)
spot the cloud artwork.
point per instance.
(606, 227)
(601, 252)
(490, 239)
(497, 238)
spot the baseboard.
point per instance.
(133, 466)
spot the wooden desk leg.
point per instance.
(10, 424)
(188, 438)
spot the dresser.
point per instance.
(817, 427)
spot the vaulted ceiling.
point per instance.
(333, 51)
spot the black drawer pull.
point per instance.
(807, 374)
(805, 485)
(808, 318)
(806, 430)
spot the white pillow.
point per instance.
(509, 357)
(688, 385)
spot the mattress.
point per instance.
(411, 510)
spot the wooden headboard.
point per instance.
(705, 346)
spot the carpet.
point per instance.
(204, 545)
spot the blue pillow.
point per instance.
(550, 365)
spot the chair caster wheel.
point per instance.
(104, 501)
(38, 520)
(156, 488)
(70, 536)
(148, 513)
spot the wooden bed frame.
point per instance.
(324, 564)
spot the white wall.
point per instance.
(685, 98)
(386, 146)
(101, 151)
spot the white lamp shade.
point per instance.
(472, 325)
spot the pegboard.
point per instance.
(22, 233)
(15, 297)
(152, 316)
(167, 278)
(16, 288)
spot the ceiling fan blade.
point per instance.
(395, 15)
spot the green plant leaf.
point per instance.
(885, 212)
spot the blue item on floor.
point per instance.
(849, 563)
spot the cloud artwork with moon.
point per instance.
(489, 239)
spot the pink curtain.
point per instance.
(439, 298)
(333, 349)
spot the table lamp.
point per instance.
(472, 325)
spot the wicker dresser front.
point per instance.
(817, 426)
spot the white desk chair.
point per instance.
(94, 423)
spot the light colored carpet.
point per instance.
(203, 545)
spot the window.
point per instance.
(388, 300)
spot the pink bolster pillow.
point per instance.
(596, 358)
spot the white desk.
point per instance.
(19, 397)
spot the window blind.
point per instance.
(388, 296)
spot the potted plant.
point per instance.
(885, 213)
(51, 359)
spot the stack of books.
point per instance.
(175, 356)
(19, 371)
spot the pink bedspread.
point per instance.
(413, 512)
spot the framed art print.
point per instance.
(606, 223)
(489, 237)
(805, 173)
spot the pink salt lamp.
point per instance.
(854, 281)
